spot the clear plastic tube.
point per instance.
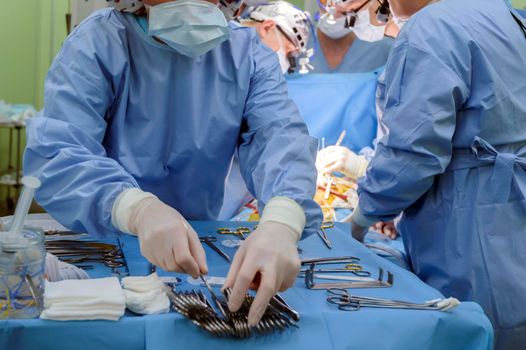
(24, 202)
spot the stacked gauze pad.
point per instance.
(145, 295)
(90, 299)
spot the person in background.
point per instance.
(453, 157)
(141, 118)
(341, 159)
(286, 30)
(283, 28)
(349, 39)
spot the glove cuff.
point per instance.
(356, 166)
(124, 205)
(285, 211)
(360, 219)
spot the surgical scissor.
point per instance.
(209, 241)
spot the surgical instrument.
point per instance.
(195, 306)
(77, 244)
(209, 240)
(324, 239)
(328, 188)
(36, 293)
(340, 138)
(78, 251)
(348, 302)
(109, 262)
(52, 235)
(215, 298)
(121, 251)
(322, 276)
(24, 202)
(379, 283)
(354, 268)
(330, 179)
(334, 193)
(277, 301)
(323, 235)
(330, 260)
(238, 231)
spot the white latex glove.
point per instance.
(166, 239)
(343, 160)
(268, 261)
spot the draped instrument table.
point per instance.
(322, 325)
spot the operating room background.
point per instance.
(31, 34)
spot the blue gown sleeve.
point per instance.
(423, 95)
(277, 155)
(64, 149)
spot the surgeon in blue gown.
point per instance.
(454, 156)
(358, 49)
(138, 132)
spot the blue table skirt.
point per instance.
(322, 325)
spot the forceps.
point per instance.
(348, 302)
(209, 241)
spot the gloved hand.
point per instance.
(343, 160)
(166, 239)
(267, 261)
(386, 228)
(358, 232)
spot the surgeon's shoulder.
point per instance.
(242, 36)
(103, 27)
(246, 45)
(435, 28)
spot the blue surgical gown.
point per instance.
(454, 156)
(362, 56)
(123, 111)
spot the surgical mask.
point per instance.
(400, 22)
(336, 30)
(282, 55)
(366, 31)
(191, 27)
